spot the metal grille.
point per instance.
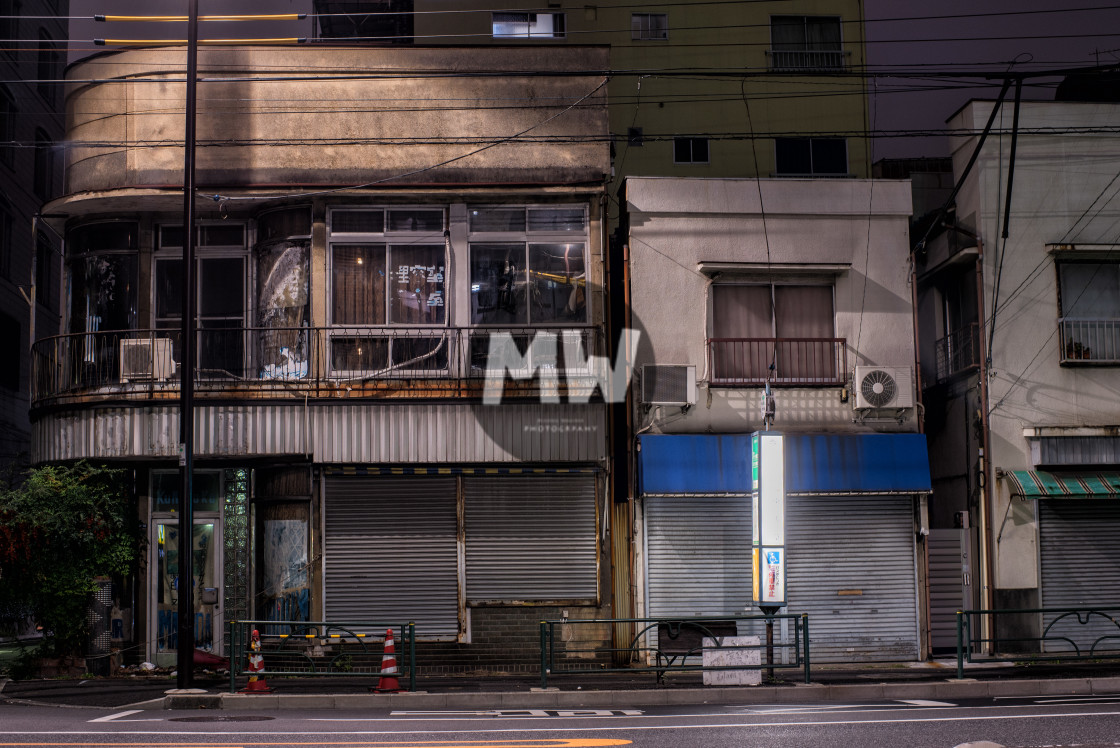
(530, 537)
(235, 532)
(391, 552)
(1080, 569)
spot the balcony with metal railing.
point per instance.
(958, 352)
(746, 362)
(296, 362)
(1088, 341)
(807, 60)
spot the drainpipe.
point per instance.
(987, 564)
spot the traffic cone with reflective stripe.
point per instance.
(388, 682)
(256, 684)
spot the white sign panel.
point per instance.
(772, 490)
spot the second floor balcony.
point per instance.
(1089, 341)
(958, 352)
(750, 362)
(297, 362)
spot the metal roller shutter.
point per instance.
(948, 583)
(390, 552)
(530, 537)
(1080, 561)
(698, 555)
(852, 568)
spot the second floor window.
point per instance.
(1089, 311)
(649, 26)
(690, 150)
(810, 156)
(518, 25)
(784, 333)
(8, 113)
(805, 43)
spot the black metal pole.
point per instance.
(186, 634)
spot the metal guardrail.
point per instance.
(958, 351)
(671, 644)
(739, 362)
(1100, 625)
(1089, 341)
(312, 648)
(316, 361)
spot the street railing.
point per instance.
(669, 645)
(1068, 634)
(312, 648)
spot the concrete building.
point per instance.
(31, 100)
(374, 239)
(1019, 352)
(697, 89)
(802, 286)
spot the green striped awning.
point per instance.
(1037, 484)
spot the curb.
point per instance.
(556, 699)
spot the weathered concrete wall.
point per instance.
(326, 116)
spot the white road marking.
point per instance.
(924, 702)
(118, 717)
(902, 718)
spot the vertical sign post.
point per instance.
(768, 529)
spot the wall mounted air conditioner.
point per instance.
(146, 360)
(883, 387)
(668, 384)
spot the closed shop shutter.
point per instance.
(852, 568)
(947, 585)
(1080, 559)
(698, 555)
(530, 537)
(390, 552)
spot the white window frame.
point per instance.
(532, 24)
(642, 27)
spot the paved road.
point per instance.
(1036, 721)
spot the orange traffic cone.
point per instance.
(388, 682)
(256, 684)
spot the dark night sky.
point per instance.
(911, 35)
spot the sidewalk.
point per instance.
(848, 683)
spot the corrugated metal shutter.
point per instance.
(530, 537)
(1080, 560)
(852, 568)
(390, 552)
(698, 555)
(946, 585)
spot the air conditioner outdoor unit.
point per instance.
(668, 384)
(146, 359)
(883, 387)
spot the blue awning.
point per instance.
(815, 464)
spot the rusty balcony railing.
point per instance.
(278, 361)
(1089, 341)
(802, 60)
(746, 362)
(958, 351)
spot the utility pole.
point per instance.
(185, 582)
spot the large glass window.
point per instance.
(810, 156)
(103, 277)
(388, 271)
(805, 42)
(1089, 310)
(283, 254)
(783, 333)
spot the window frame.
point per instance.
(44, 166)
(48, 66)
(559, 24)
(1088, 340)
(809, 141)
(642, 27)
(692, 141)
(9, 112)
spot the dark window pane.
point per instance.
(284, 224)
(700, 150)
(830, 156)
(357, 221)
(557, 283)
(220, 347)
(682, 150)
(418, 285)
(169, 289)
(498, 284)
(416, 220)
(221, 235)
(99, 237)
(792, 156)
(556, 219)
(497, 219)
(103, 293)
(221, 287)
(358, 284)
(359, 353)
(11, 342)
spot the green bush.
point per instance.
(59, 530)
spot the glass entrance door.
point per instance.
(205, 558)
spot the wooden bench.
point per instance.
(684, 639)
